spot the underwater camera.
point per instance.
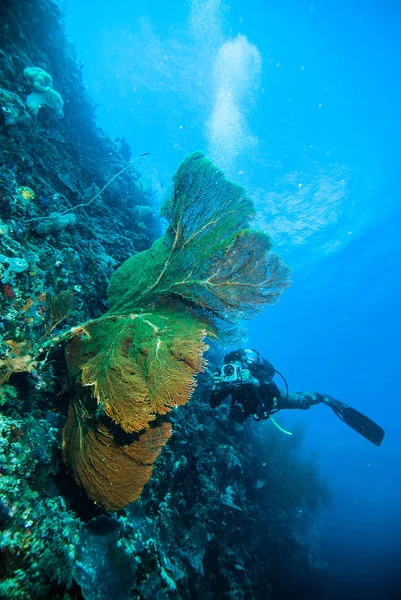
(231, 373)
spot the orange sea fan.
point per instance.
(112, 473)
(136, 369)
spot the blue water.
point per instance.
(300, 103)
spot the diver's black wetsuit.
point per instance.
(247, 378)
(260, 398)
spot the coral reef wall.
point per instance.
(227, 513)
(50, 163)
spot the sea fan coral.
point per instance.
(140, 366)
(139, 361)
(112, 473)
(209, 258)
(132, 366)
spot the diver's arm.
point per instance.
(300, 400)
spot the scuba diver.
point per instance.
(248, 378)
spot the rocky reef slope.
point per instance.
(227, 513)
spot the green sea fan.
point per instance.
(209, 257)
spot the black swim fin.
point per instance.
(353, 418)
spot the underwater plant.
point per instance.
(130, 367)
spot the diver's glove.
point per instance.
(217, 383)
(246, 378)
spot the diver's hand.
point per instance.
(217, 382)
(247, 378)
(314, 398)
